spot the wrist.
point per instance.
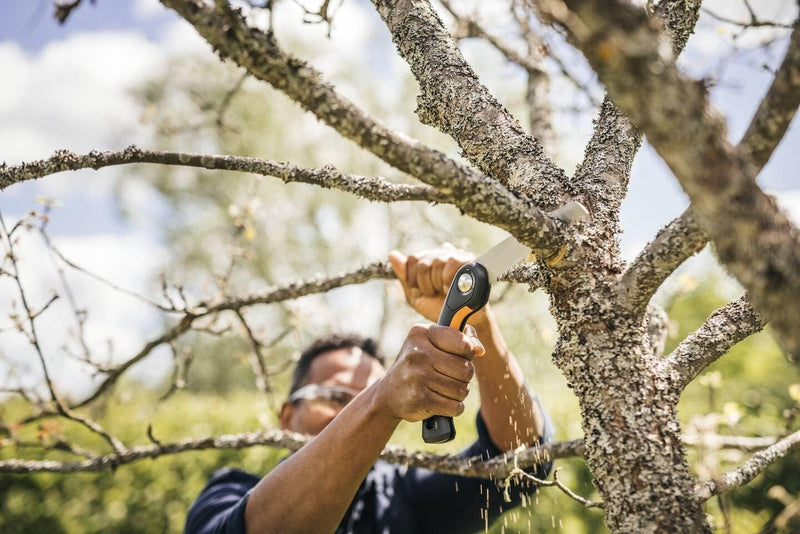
(379, 406)
(483, 321)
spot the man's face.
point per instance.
(346, 368)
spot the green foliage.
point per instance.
(149, 495)
(744, 393)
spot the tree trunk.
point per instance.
(628, 413)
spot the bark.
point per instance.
(453, 99)
(628, 412)
(378, 189)
(674, 244)
(750, 469)
(609, 348)
(721, 331)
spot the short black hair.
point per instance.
(327, 344)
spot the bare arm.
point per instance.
(511, 415)
(430, 375)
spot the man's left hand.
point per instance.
(426, 278)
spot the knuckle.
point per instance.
(418, 330)
(469, 370)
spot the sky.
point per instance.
(68, 87)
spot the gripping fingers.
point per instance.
(450, 340)
(440, 405)
(423, 277)
(449, 388)
(437, 269)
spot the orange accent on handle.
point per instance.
(459, 317)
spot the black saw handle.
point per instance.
(468, 293)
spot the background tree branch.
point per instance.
(319, 284)
(722, 330)
(750, 469)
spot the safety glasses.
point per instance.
(334, 396)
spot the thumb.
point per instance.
(398, 261)
(475, 343)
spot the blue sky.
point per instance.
(31, 24)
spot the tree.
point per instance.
(611, 338)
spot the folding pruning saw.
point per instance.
(469, 292)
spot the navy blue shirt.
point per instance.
(391, 500)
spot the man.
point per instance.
(341, 394)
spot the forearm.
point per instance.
(311, 490)
(512, 417)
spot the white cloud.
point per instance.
(75, 95)
(147, 8)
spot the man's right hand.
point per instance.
(431, 374)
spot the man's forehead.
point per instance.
(345, 360)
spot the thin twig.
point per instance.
(519, 473)
(34, 340)
(754, 21)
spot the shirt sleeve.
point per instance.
(219, 509)
(456, 504)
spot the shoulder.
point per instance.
(232, 477)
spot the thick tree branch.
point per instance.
(682, 237)
(453, 99)
(776, 110)
(750, 469)
(673, 245)
(753, 238)
(722, 330)
(258, 52)
(606, 166)
(378, 189)
(537, 95)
